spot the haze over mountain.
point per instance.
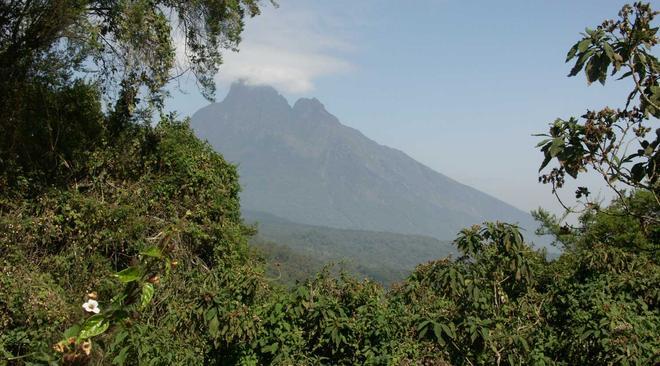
(381, 256)
(300, 163)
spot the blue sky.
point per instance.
(458, 85)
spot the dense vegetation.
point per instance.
(122, 243)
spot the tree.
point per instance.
(119, 40)
(621, 144)
(122, 52)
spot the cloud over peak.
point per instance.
(288, 49)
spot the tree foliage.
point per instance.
(59, 58)
(131, 43)
(621, 144)
(122, 243)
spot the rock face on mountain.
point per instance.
(300, 163)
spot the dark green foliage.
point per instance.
(59, 59)
(596, 304)
(483, 307)
(604, 292)
(51, 137)
(147, 220)
(326, 320)
(157, 186)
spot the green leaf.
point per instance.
(129, 274)
(543, 142)
(119, 337)
(73, 331)
(625, 75)
(545, 162)
(118, 299)
(210, 313)
(557, 147)
(584, 44)
(591, 70)
(485, 333)
(637, 172)
(214, 326)
(609, 51)
(524, 343)
(93, 326)
(152, 252)
(603, 64)
(437, 331)
(586, 334)
(571, 52)
(121, 357)
(473, 336)
(641, 57)
(270, 348)
(579, 64)
(147, 294)
(448, 331)
(422, 328)
(118, 315)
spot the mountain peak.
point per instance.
(309, 104)
(312, 110)
(302, 164)
(241, 90)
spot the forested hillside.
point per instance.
(122, 241)
(381, 256)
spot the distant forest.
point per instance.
(296, 251)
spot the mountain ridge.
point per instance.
(384, 257)
(300, 163)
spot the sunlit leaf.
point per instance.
(129, 274)
(93, 326)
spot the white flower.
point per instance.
(91, 306)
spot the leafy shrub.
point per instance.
(141, 227)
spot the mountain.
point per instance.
(301, 164)
(301, 249)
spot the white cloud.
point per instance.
(289, 48)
